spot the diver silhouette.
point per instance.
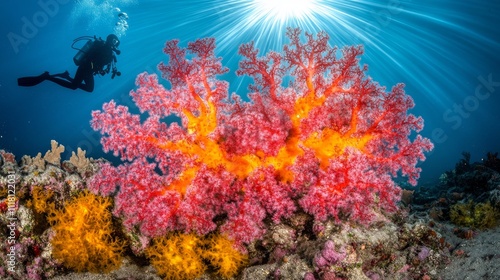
(95, 57)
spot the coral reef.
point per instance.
(474, 215)
(468, 195)
(463, 206)
(329, 144)
(492, 161)
(40, 198)
(383, 250)
(29, 190)
(472, 178)
(297, 183)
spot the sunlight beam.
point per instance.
(282, 10)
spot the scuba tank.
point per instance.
(81, 55)
(93, 42)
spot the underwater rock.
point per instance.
(258, 272)
(293, 268)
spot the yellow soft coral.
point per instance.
(177, 256)
(181, 256)
(220, 252)
(83, 232)
(40, 198)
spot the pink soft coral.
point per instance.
(328, 143)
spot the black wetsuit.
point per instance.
(98, 60)
(99, 56)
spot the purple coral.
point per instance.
(424, 253)
(328, 256)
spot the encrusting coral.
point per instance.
(329, 144)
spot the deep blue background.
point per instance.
(439, 49)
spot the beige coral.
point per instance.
(79, 160)
(54, 155)
(38, 161)
(31, 164)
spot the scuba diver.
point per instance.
(95, 57)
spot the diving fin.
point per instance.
(32, 81)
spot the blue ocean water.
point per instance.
(446, 52)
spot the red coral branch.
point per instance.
(329, 144)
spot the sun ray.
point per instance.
(402, 38)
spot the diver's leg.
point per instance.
(65, 75)
(62, 82)
(71, 83)
(32, 81)
(89, 82)
(84, 74)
